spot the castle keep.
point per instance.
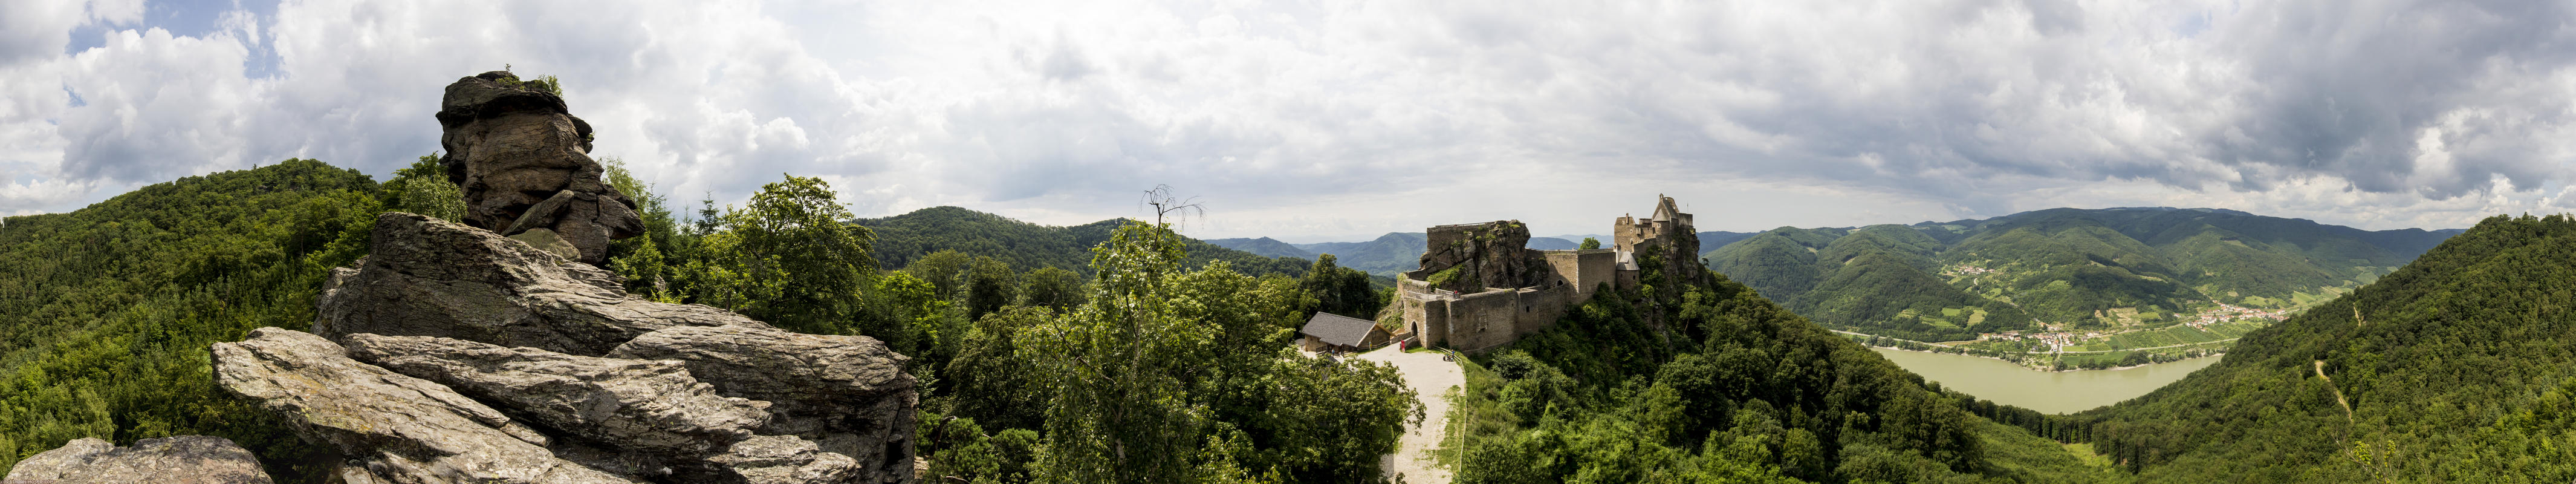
(1480, 286)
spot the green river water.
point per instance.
(2050, 392)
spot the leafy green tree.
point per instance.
(423, 188)
(990, 380)
(643, 261)
(1589, 244)
(1331, 288)
(1121, 411)
(1051, 287)
(787, 258)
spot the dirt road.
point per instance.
(1430, 378)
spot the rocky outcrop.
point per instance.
(1486, 255)
(473, 356)
(523, 162)
(642, 405)
(430, 277)
(847, 392)
(405, 429)
(187, 459)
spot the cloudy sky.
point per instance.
(1330, 120)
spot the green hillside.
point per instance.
(110, 307)
(2109, 269)
(2456, 368)
(1721, 385)
(902, 239)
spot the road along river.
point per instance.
(2045, 391)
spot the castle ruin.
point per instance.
(1480, 286)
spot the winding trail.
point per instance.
(1430, 380)
(2338, 391)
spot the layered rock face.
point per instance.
(452, 354)
(430, 277)
(523, 162)
(190, 459)
(1487, 255)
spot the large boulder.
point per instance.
(430, 277)
(639, 405)
(522, 160)
(848, 393)
(400, 429)
(774, 459)
(187, 459)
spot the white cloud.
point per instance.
(1350, 118)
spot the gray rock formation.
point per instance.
(847, 392)
(474, 356)
(429, 277)
(637, 405)
(522, 160)
(779, 459)
(403, 429)
(187, 459)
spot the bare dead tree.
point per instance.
(1172, 206)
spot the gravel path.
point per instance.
(1430, 379)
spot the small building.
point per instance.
(1328, 332)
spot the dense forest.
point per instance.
(110, 308)
(2456, 368)
(902, 239)
(113, 307)
(1951, 281)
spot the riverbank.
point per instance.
(2040, 390)
(2213, 354)
(2053, 361)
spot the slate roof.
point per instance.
(1338, 330)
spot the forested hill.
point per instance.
(2087, 268)
(109, 308)
(1264, 246)
(2456, 368)
(902, 239)
(1716, 384)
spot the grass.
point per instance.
(2020, 456)
(1475, 412)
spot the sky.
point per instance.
(1312, 121)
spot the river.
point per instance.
(2049, 392)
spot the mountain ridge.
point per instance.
(2130, 267)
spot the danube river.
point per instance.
(2049, 392)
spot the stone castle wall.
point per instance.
(1498, 316)
(1511, 291)
(1584, 270)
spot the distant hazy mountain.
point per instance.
(1389, 255)
(1712, 240)
(1549, 243)
(902, 239)
(1265, 247)
(2107, 267)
